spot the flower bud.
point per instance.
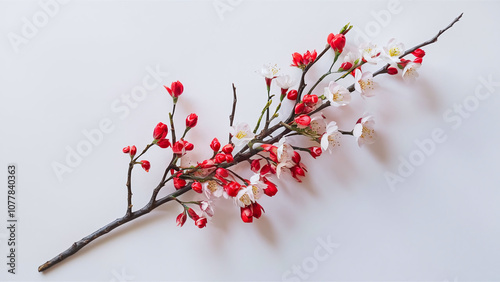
(146, 165)
(310, 100)
(255, 165)
(303, 120)
(191, 120)
(418, 60)
(392, 70)
(181, 219)
(176, 89)
(133, 151)
(229, 158)
(299, 108)
(346, 66)
(247, 214)
(232, 188)
(192, 214)
(296, 157)
(257, 210)
(315, 151)
(228, 149)
(337, 42)
(220, 158)
(179, 183)
(163, 143)
(292, 95)
(419, 53)
(188, 146)
(196, 186)
(215, 145)
(160, 131)
(201, 222)
(271, 189)
(126, 149)
(222, 172)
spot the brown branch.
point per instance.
(409, 51)
(112, 225)
(243, 155)
(231, 116)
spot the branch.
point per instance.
(428, 42)
(112, 225)
(231, 116)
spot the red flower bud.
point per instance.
(181, 219)
(346, 66)
(196, 186)
(292, 95)
(201, 222)
(222, 172)
(160, 131)
(299, 108)
(303, 120)
(296, 157)
(247, 214)
(297, 60)
(215, 145)
(179, 183)
(228, 149)
(418, 53)
(146, 165)
(255, 165)
(176, 89)
(126, 149)
(163, 143)
(188, 146)
(315, 151)
(178, 148)
(232, 188)
(191, 120)
(229, 158)
(392, 70)
(257, 210)
(265, 169)
(192, 214)
(220, 158)
(418, 60)
(271, 189)
(133, 151)
(310, 100)
(336, 41)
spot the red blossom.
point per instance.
(303, 120)
(145, 165)
(181, 219)
(160, 131)
(247, 214)
(418, 53)
(215, 145)
(337, 42)
(196, 186)
(191, 120)
(315, 151)
(176, 89)
(179, 183)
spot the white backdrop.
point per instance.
(76, 71)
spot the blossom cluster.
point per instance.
(269, 155)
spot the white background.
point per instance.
(441, 224)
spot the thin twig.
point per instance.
(231, 116)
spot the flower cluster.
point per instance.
(275, 156)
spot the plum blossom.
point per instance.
(410, 72)
(370, 52)
(242, 134)
(364, 83)
(318, 123)
(245, 197)
(337, 94)
(364, 131)
(331, 138)
(285, 154)
(393, 50)
(211, 188)
(285, 81)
